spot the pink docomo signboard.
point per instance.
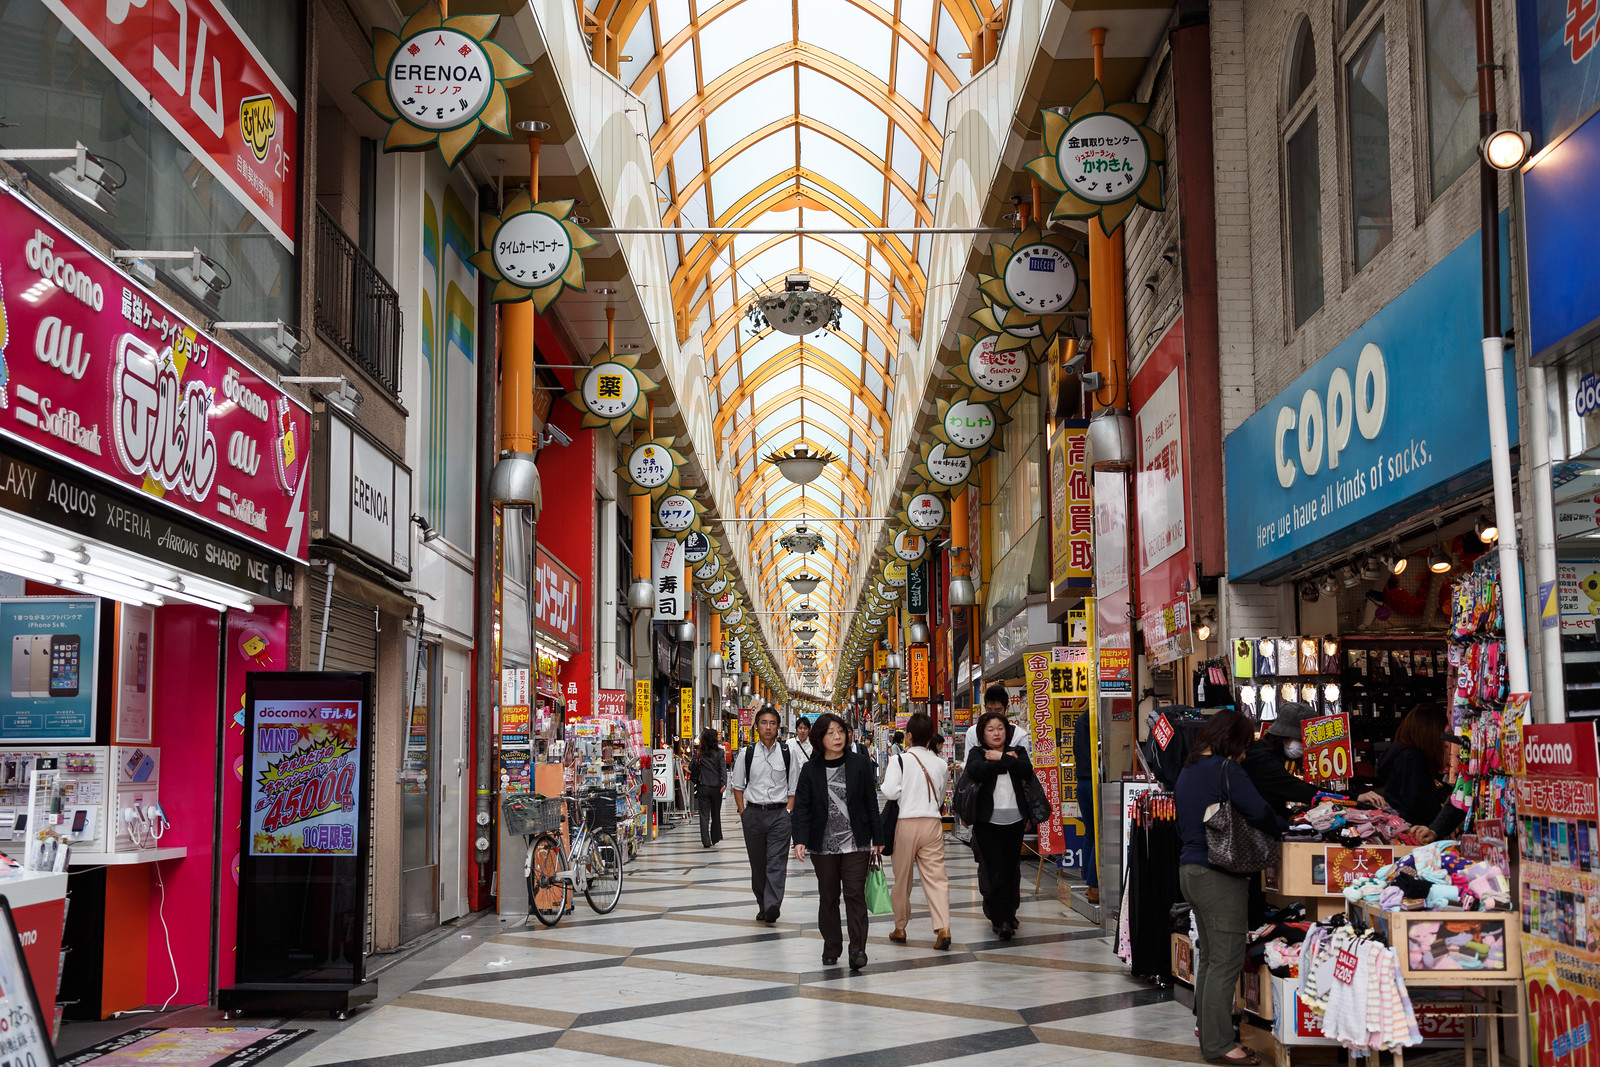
(205, 81)
(95, 370)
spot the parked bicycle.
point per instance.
(593, 866)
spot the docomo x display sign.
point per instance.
(98, 372)
(1390, 419)
(192, 65)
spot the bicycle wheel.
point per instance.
(547, 898)
(604, 867)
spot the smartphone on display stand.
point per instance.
(64, 649)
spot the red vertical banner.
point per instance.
(1046, 762)
(258, 641)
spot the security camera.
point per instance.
(553, 434)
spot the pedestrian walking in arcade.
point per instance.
(1000, 768)
(1214, 775)
(916, 779)
(764, 778)
(802, 737)
(710, 777)
(836, 823)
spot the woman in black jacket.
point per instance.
(999, 819)
(836, 821)
(710, 776)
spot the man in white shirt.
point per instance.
(997, 699)
(765, 775)
(802, 737)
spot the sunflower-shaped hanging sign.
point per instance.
(991, 371)
(910, 545)
(531, 251)
(942, 468)
(1102, 159)
(922, 511)
(651, 467)
(968, 426)
(441, 81)
(709, 568)
(610, 391)
(1039, 273)
(678, 513)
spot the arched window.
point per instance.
(1302, 175)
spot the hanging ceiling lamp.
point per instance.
(801, 466)
(800, 541)
(805, 633)
(804, 583)
(796, 311)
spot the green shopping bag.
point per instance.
(878, 892)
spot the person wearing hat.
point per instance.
(1266, 760)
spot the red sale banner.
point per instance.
(1042, 730)
(203, 78)
(96, 371)
(1327, 741)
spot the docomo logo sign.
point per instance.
(1325, 426)
(40, 254)
(161, 423)
(1551, 753)
(1588, 398)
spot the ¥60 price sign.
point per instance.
(1327, 742)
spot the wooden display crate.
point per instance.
(1398, 928)
(1182, 959)
(1254, 992)
(1302, 868)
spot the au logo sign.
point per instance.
(258, 122)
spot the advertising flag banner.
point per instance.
(1042, 731)
(305, 795)
(917, 660)
(685, 712)
(642, 709)
(667, 570)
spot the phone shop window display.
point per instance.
(53, 669)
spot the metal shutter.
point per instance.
(352, 646)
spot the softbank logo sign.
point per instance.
(1326, 419)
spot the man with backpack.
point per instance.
(765, 775)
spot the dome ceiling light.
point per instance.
(804, 583)
(801, 466)
(805, 633)
(796, 311)
(801, 541)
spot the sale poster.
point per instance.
(49, 695)
(1042, 731)
(305, 796)
(1327, 742)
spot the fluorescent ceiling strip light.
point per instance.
(219, 592)
(21, 530)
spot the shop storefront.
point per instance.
(153, 513)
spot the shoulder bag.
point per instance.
(1036, 804)
(964, 804)
(1233, 844)
(889, 815)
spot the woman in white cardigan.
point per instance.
(916, 779)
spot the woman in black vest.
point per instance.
(710, 776)
(1000, 818)
(836, 822)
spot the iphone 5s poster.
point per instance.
(50, 669)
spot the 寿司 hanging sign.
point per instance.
(925, 511)
(192, 65)
(96, 371)
(441, 81)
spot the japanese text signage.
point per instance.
(1560, 66)
(558, 607)
(1071, 508)
(1000, 372)
(610, 390)
(96, 371)
(917, 661)
(1042, 733)
(970, 425)
(1327, 742)
(925, 511)
(1041, 280)
(189, 62)
(685, 712)
(305, 793)
(917, 588)
(667, 571)
(1103, 158)
(1367, 431)
(1167, 636)
(1160, 479)
(54, 672)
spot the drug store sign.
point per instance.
(1390, 417)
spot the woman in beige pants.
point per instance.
(916, 779)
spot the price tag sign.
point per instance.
(1327, 741)
(1163, 732)
(1344, 967)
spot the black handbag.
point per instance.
(1233, 844)
(964, 802)
(889, 816)
(1033, 795)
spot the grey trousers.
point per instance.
(1221, 905)
(766, 839)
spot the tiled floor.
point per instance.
(681, 974)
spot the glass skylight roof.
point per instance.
(814, 114)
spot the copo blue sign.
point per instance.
(1394, 413)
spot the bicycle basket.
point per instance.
(601, 812)
(530, 813)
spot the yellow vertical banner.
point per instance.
(917, 659)
(881, 659)
(686, 712)
(1071, 509)
(641, 708)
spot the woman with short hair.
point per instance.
(999, 818)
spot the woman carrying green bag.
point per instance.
(836, 822)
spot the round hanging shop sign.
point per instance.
(925, 511)
(717, 586)
(610, 390)
(894, 572)
(995, 371)
(888, 593)
(696, 547)
(910, 545)
(531, 249)
(1016, 329)
(708, 570)
(1040, 278)
(723, 601)
(734, 617)
(947, 470)
(440, 79)
(649, 465)
(969, 425)
(675, 513)
(1103, 158)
